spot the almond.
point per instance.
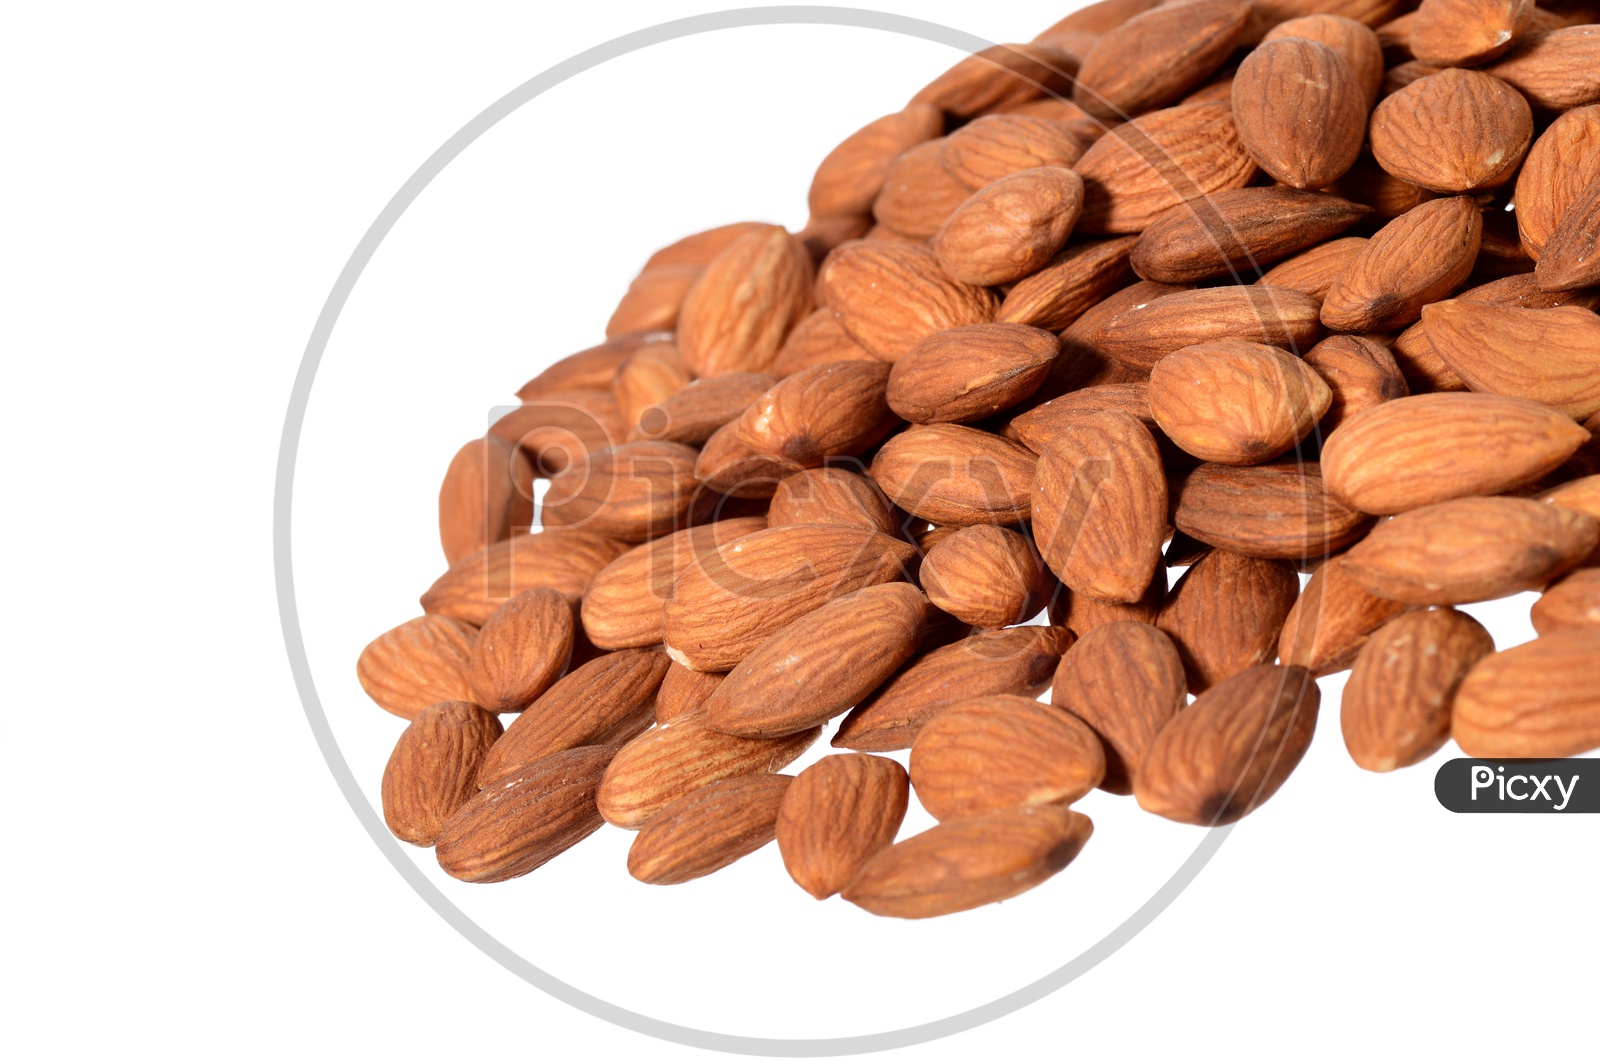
(561, 559)
(1268, 511)
(1470, 550)
(648, 377)
(525, 819)
(1571, 257)
(1225, 613)
(1396, 708)
(652, 301)
(995, 146)
(836, 815)
(555, 430)
(1156, 57)
(1562, 163)
(1075, 280)
(918, 192)
(1360, 374)
(851, 175)
(825, 411)
(1313, 271)
(1331, 621)
(521, 649)
(1091, 22)
(590, 369)
(817, 339)
(1300, 111)
(708, 829)
(632, 491)
(487, 496)
(889, 296)
(1571, 602)
(728, 601)
(1468, 32)
(694, 412)
(1036, 428)
(698, 249)
(1236, 403)
(683, 690)
(673, 760)
(1428, 448)
(1010, 228)
(970, 372)
(1582, 495)
(1100, 500)
(997, 76)
(729, 464)
(1419, 258)
(1145, 334)
(1534, 700)
(1086, 357)
(1235, 232)
(433, 770)
(1010, 661)
(1232, 749)
(1457, 131)
(952, 474)
(1555, 69)
(1357, 44)
(1550, 356)
(735, 317)
(414, 665)
(1125, 680)
(821, 665)
(1083, 614)
(985, 575)
(1387, 195)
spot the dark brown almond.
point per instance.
(994, 146)
(1549, 356)
(1125, 680)
(521, 649)
(827, 411)
(1314, 271)
(1078, 278)
(997, 76)
(487, 496)
(1236, 403)
(691, 414)
(1332, 620)
(1145, 334)
(1360, 374)
(683, 690)
(1534, 700)
(836, 815)
(1155, 58)
(970, 372)
(918, 193)
(1280, 510)
(433, 770)
(851, 175)
(1011, 227)
(1234, 233)
(1456, 131)
(561, 559)
(889, 296)
(955, 475)
(414, 665)
(708, 829)
(1225, 614)
(1300, 111)
(1417, 259)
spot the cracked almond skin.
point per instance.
(1300, 111)
(631, 491)
(1010, 228)
(820, 665)
(1455, 131)
(1332, 620)
(1225, 614)
(985, 575)
(1143, 335)
(966, 862)
(1554, 68)
(850, 176)
(1429, 448)
(1396, 706)
(603, 702)
(1470, 550)
(995, 146)
(691, 414)
(416, 664)
(683, 690)
(1562, 163)
(1100, 506)
(525, 819)
(1534, 700)
(1313, 271)
(1281, 510)
(889, 296)
(562, 559)
(486, 496)
(1237, 231)
(1571, 602)
(1155, 58)
(1551, 356)
(1419, 258)
(1075, 280)
(970, 372)
(1236, 403)
(831, 496)
(1232, 748)
(826, 411)
(1124, 680)
(956, 475)
(835, 815)
(433, 770)
(741, 307)
(520, 650)
(1001, 752)
(1360, 373)
(708, 829)
(1458, 33)
(731, 599)
(1357, 44)
(1009, 661)
(672, 760)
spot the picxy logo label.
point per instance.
(1519, 785)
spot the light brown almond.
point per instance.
(632, 491)
(1550, 356)
(1331, 621)
(1458, 33)
(521, 649)
(561, 559)
(683, 690)
(970, 372)
(708, 829)
(851, 175)
(1225, 614)
(997, 76)
(1457, 131)
(487, 496)
(836, 815)
(817, 339)
(1156, 57)
(735, 317)
(1534, 700)
(1419, 258)
(1083, 614)
(995, 146)
(691, 414)
(985, 575)
(1300, 111)
(918, 193)
(1236, 403)
(1078, 278)
(1035, 428)
(955, 475)
(1011, 227)
(1571, 602)
(433, 769)
(831, 496)
(589, 369)
(1562, 163)
(1360, 374)
(1143, 335)
(832, 410)
(1571, 257)
(649, 376)
(1313, 271)
(414, 665)
(652, 301)
(729, 464)
(1234, 233)
(1125, 680)
(698, 249)
(1281, 510)
(1357, 44)
(889, 296)
(1555, 69)
(558, 428)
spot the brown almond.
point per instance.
(836, 815)
(1357, 44)
(632, 491)
(1550, 356)
(683, 690)
(729, 464)
(1457, 131)
(966, 862)
(487, 496)
(556, 429)
(589, 369)
(955, 475)
(1571, 602)
(649, 376)
(691, 414)
(698, 249)
(821, 236)
(1075, 280)
(1396, 706)
(1331, 621)
(970, 372)
(1419, 258)
(1280, 510)
(1571, 257)
(819, 338)
(1360, 374)
(995, 146)
(1231, 750)
(521, 649)
(1010, 228)
(735, 317)
(1313, 271)
(1562, 163)
(1279, 87)
(831, 496)
(826, 411)
(998, 76)
(918, 193)
(1235, 232)
(1458, 33)
(1145, 334)
(414, 665)
(984, 575)
(1035, 428)
(1010, 661)
(1470, 550)
(433, 770)
(708, 829)
(1582, 495)
(1083, 614)
(561, 559)
(1555, 69)
(1085, 358)
(1125, 680)
(1091, 22)
(1236, 403)
(1225, 614)
(851, 175)
(1155, 58)
(1534, 700)
(652, 301)
(889, 296)
(1387, 195)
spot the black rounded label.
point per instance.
(1519, 785)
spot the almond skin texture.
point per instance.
(1083, 614)
(1470, 550)
(589, 369)
(966, 862)
(999, 76)
(1155, 58)
(820, 665)
(1555, 69)
(1562, 163)
(486, 496)
(561, 559)
(970, 372)
(1011, 661)
(1100, 506)
(1035, 428)
(1145, 334)
(1236, 403)
(729, 464)
(1268, 511)
(1396, 707)
(1457, 131)
(683, 690)
(558, 429)
(433, 770)
(889, 296)
(735, 317)
(1075, 280)
(650, 375)
(1011, 227)
(1534, 700)
(831, 496)
(633, 491)
(1299, 111)
(1314, 271)
(1571, 257)
(708, 829)
(1230, 750)
(1550, 356)
(1125, 680)
(1158, 161)
(1356, 44)
(670, 761)
(652, 301)
(955, 475)
(985, 575)
(730, 600)
(1225, 613)
(525, 819)
(520, 650)
(918, 194)
(1001, 752)
(989, 148)
(1428, 448)
(1458, 33)
(836, 815)
(691, 414)
(834, 409)
(1360, 373)
(603, 702)
(1419, 258)
(1332, 620)
(816, 340)
(1234, 232)
(414, 665)
(850, 176)
(1571, 602)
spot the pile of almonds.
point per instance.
(1250, 290)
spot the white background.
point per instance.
(184, 185)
